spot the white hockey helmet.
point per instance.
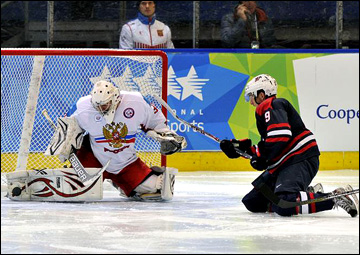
(105, 98)
(261, 82)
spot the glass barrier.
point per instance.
(193, 24)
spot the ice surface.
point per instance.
(205, 216)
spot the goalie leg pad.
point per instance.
(157, 187)
(55, 185)
(150, 185)
(167, 189)
(157, 170)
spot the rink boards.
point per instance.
(206, 161)
(217, 105)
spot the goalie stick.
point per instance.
(260, 182)
(84, 176)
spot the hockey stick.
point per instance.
(197, 129)
(287, 204)
(260, 182)
(84, 176)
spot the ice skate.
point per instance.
(315, 189)
(349, 203)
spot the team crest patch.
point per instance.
(115, 134)
(98, 118)
(160, 33)
(129, 113)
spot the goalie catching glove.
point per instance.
(170, 142)
(68, 136)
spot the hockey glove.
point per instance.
(67, 137)
(258, 163)
(170, 146)
(170, 142)
(228, 147)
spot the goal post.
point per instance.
(54, 79)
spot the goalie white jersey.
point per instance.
(116, 141)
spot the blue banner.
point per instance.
(204, 95)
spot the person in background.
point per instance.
(247, 27)
(145, 31)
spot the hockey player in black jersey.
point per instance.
(287, 151)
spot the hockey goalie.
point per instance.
(100, 132)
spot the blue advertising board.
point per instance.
(204, 95)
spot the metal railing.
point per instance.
(197, 34)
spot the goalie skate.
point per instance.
(148, 197)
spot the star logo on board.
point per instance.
(147, 84)
(105, 75)
(126, 81)
(174, 88)
(184, 87)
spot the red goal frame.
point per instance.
(100, 52)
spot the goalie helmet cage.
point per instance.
(54, 79)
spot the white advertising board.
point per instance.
(328, 92)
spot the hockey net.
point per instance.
(54, 79)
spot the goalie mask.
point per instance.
(261, 82)
(105, 98)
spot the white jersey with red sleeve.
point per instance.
(116, 141)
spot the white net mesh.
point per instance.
(62, 81)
